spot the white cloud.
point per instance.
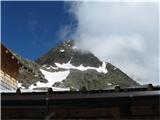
(124, 33)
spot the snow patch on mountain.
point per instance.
(52, 77)
(49, 67)
(115, 68)
(101, 69)
(62, 50)
(109, 84)
(19, 85)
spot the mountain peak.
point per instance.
(68, 51)
(67, 67)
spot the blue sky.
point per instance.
(32, 28)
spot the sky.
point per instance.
(125, 34)
(32, 28)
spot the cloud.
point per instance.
(123, 33)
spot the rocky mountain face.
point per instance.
(67, 67)
(30, 72)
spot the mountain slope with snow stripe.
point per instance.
(101, 69)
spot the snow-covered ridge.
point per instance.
(101, 69)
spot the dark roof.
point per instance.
(122, 103)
